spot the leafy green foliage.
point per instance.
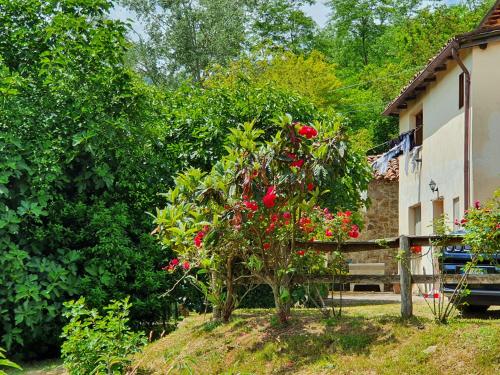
(282, 25)
(99, 344)
(310, 76)
(80, 163)
(196, 129)
(4, 362)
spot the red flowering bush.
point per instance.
(482, 226)
(259, 202)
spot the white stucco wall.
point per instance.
(485, 142)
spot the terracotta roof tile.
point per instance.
(392, 173)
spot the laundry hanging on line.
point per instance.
(401, 145)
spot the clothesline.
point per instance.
(404, 144)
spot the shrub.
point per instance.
(257, 203)
(4, 362)
(98, 344)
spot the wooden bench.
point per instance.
(367, 269)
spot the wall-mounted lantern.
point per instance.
(434, 187)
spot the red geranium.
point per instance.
(287, 215)
(310, 186)
(266, 246)
(328, 233)
(301, 253)
(186, 265)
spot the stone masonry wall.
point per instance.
(380, 221)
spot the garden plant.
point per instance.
(258, 203)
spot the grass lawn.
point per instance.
(369, 339)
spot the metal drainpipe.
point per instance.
(456, 57)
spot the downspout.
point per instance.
(467, 82)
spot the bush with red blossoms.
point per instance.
(260, 200)
(482, 226)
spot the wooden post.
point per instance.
(405, 278)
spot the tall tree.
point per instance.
(184, 37)
(282, 24)
(355, 26)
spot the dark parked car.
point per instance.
(481, 296)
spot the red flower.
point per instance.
(287, 215)
(498, 226)
(436, 295)
(174, 262)
(354, 232)
(251, 205)
(291, 156)
(417, 249)
(206, 228)
(310, 186)
(308, 131)
(301, 253)
(287, 222)
(477, 204)
(426, 295)
(347, 213)
(270, 197)
(274, 218)
(266, 246)
(304, 221)
(186, 265)
(297, 163)
(456, 222)
(463, 221)
(198, 240)
(328, 233)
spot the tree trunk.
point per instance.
(229, 303)
(217, 311)
(282, 306)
